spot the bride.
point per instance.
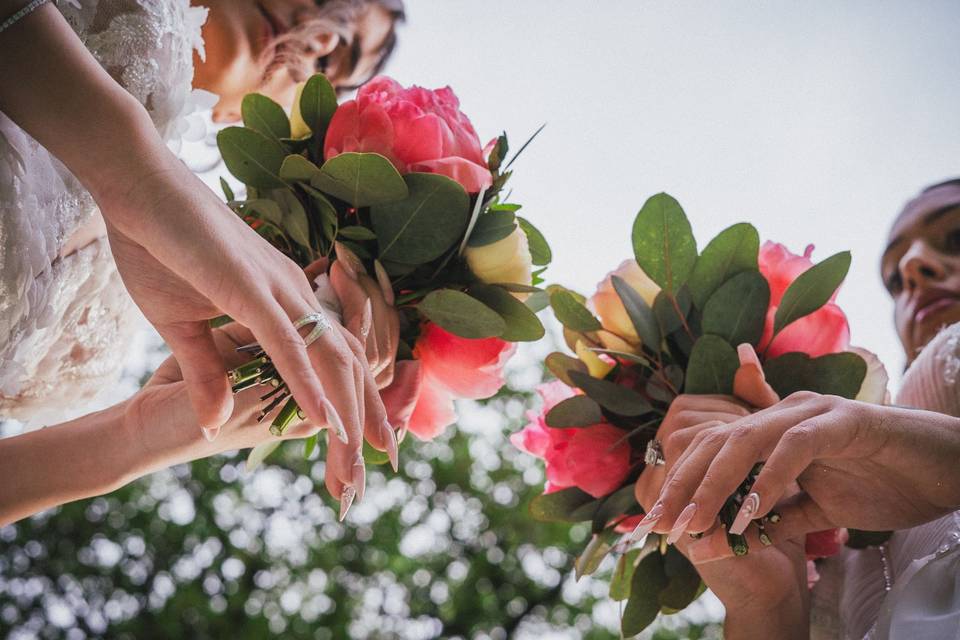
(93, 93)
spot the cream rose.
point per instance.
(502, 262)
(607, 304)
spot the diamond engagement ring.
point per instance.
(320, 325)
(654, 454)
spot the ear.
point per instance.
(325, 43)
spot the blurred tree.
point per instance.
(444, 549)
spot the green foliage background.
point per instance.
(444, 549)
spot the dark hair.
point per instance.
(952, 182)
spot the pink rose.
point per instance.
(823, 331)
(596, 459)
(823, 544)
(454, 367)
(416, 129)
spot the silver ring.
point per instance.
(654, 454)
(320, 326)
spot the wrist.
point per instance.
(789, 619)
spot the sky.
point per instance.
(813, 121)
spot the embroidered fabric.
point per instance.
(65, 322)
(923, 603)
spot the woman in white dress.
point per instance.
(92, 93)
(832, 462)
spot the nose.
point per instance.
(921, 265)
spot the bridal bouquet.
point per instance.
(396, 182)
(666, 323)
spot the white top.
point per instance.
(923, 563)
(65, 323)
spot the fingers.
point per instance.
(718, 460)
(750, 383)
(204, 372)
(400, 396)
(316, 268)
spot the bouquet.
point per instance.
(666, 323)
(396, 182)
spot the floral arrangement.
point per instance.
(395, 182)
(668, 322)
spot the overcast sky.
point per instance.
(812, 120)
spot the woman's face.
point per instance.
(238, 33)
(921, 267)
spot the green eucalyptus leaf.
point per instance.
(227, 191)
(540, 252)
(735, 249)
(260, 453)
(663, 242)
(424, 225)
(622, 575)
(560, 364)
(310, 445)
(296, 168)
(567, 505)
(611, 396)
(578, 411)
(538, 301)
(572, 313)
(374, 456)
(713, 363)
(837, 374)
(318, 102)
(265, 209)
(461, 314)
(491, 227)
(522, 323)
(262, 114)
(639, 312)
(356, 232)
(737, 310)
(811, 290)
(643, 605)
(683, 581)
(615, 505)
(597, 549)
(668, 316)
(253, 158)
(361, 179)
(294, 218)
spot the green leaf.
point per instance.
(649, 579)
(262, 114)
(737, 310)
(578, 411)
(309, 445)
(610, 395)
(597, 549)
(253, 158)
(296, 168)
(613, 506)
(358, 233)
(713, 363)
(522, 323)
(374, 456)
(425, 225)
(622, 575)
(265, 209)
(683, 581)
(318, 102)
(623, 355)
(294, 217)
(538, 301)
(361, 179)
(572, 313)
(639, 312)
(260, 453)
(566, 505)
(227, 191)
(836, 374)
(325, 210)
(540, 253)
(666, 312)
(811, 290)
(461, 314)
(560, 364)
(735, 249)
(491, 227)
(663, 242)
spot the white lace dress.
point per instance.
(66, 322)
(909, 589)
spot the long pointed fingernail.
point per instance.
(358, 475)
(390, 438)
(210, 433)
(680, 526)
(648, 523)
(335, 423)
(346, 500)
(747, 510)
(383, 279)
(351, 263)
(366, 322)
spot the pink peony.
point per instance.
(596, 459)
(416, 129)
(454, 367)
(823, 331)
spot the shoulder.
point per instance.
(931, 381)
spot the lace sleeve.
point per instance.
(933, 380)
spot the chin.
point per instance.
(932, 327)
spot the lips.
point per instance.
(932, 303)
